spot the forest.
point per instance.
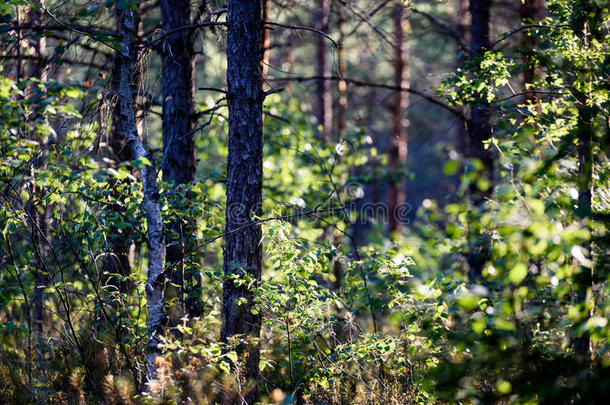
(304, 202)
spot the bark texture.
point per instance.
(479, 131)
(531, 12)
(398, 145)
(462, 28)
(583, 282)
(479, 127)
(35, 208)
(265, 41)
(116, 260)
(243, 254)
(150, 203)
(341, 84)
(324, 99)
(585, 27)
(178, 89)
(463, 33)
(179, 164)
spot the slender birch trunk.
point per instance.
(154, 222)
(36, 209)
(116, 261)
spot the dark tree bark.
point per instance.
(531, 12)
(479, 127)
(583, 281)
(463, 33)
(479, 131)
(179, 165)
(324, 100)
(150, 203)
(398, 145)
(178, 89)
(462, 27)
(265, 41)
(585, 26)
(243, 252)
(341, 84)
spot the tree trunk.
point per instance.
(178, 90)
(150, 203)
(337, 237)
(397, 152)
(479, 128)
(116, 261)
(37, 211)
(179, 165)
(463, 31)
(531, 13)
(265, 41)
(341, 84)
(583, 280)
(243, 252)
(479, 131)
(324, 100)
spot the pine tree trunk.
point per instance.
(341, 85)
(398, 145)
(463, 31)
(324, 106)
(479, 128)
(179, 165)
(243, 252)
(337, 237)
(531, 13)
(479, 131)
(265, 41)
(583, 280)
(150, 203)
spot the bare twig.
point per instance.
(367, 20)
(444, 27)
(153, 41)
(300, 27)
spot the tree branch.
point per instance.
(300, 27)
(446, 28)
(362, 83)
(525, 27)
(153, 41)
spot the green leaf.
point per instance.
(451, 167)
(232, 356)
(517, 274)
